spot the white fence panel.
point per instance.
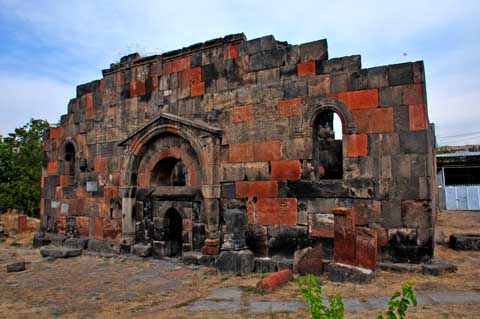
(463, 197)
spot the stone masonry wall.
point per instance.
(265, 96)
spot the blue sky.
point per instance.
(49, 47)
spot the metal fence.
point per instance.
(462, 197)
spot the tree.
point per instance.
(21, 168)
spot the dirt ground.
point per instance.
(97, 287)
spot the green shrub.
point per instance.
(311, 292)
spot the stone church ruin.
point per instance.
(236, 144)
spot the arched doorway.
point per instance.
(174, 233)
(169, 171)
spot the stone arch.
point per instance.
(327, 152)
(69, 159)
(141, 144)
(317, 105)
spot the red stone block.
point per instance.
(177, 65)
(357, 145)
(418, 118)
(112, 229)
(97, 228)
(231, 52)
(100, 164)
(42, 181)
(110, 192)
(366, 247)
(382, 237)
(52, 168)
(137, 88)
(89, 110)
(22, 224)
(274, 281)
(276, 211)
(286, 170)
(238, 153)
(308, 261)
(196, 75)
(306, 69)
(267, 151)
(290, 107)
(210, 250)
(65, 180)
(379, 120)
(258, 189)
(414, 94)
(82, 223)
(58, 192)
(197, 89)
(242, 114)
(56, 132)
(356, 100)
(251, 211)
(61, 225)
(344, 235)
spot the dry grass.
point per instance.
(9, 221)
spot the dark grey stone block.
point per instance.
(39, 241)
(345, 273)
(142, 250)
(235, 262)
(357, 80)
(377, 77)
(265, 264)
(103, 246)
(400, 74)
(315, 50)
(236, 228)
(267, 59)
(16, 266)
(292, 89)
(60, 252)
(439, 268)
(228, 190)
(390, 96)
(465, 241)
(325, 188)
(77, 243)
(413, 142)
(256, 45)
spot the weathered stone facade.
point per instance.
(229, 144)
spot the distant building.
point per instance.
(459, 180)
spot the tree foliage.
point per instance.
(21, 168)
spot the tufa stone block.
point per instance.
(286, 170)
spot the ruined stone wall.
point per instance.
(267, 98)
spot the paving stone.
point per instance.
(225, 294)
(345, 273)
(208, 305)
(257, 307)
(60, 252)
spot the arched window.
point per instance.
(169, 171)
(327, 145)
(69, 158)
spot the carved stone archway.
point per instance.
(202, 162)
